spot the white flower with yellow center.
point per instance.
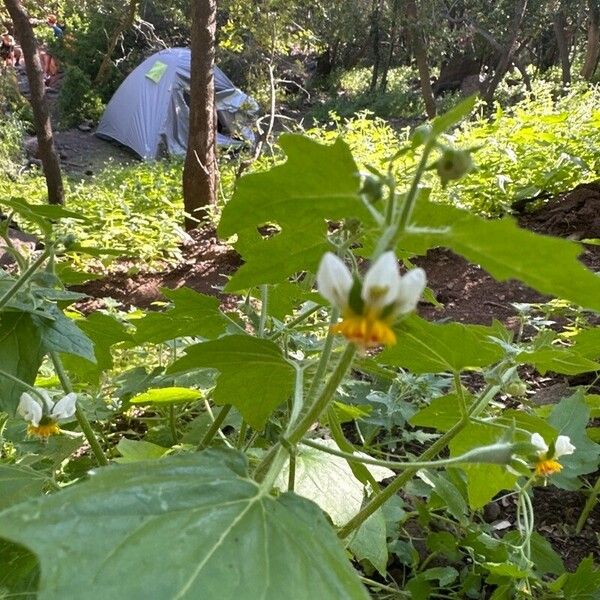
(370, 307)
(547, 463)
(44, 417)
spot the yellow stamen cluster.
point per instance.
(44, 430)
(547, 466)
(366, 331)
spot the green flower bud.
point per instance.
(421, 134)
(69, 240)
(516, 388)
(372, 187)
(453, 164)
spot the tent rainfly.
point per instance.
(149, 113)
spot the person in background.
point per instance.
(7, 50)
(56, 28)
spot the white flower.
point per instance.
(384, 295)
(562, 446)
(43, 415)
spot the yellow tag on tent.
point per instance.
(157, 71)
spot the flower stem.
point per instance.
(22, 384)
(25, 276)
(268, 468)
(215, 426)
(79, 414)
(588, 507)
(172, 423)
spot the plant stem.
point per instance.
(172, 424)
(325, 356)
(460, 394)
(242, 435)
(22, 384)
(411, 197)
(469, 457)
(79, 414)
(297, 431)
(264, 307)
(215, 426)
(299, 319)
(25, 276)
(397, 484)
(589, 505)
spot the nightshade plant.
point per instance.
(199, 507)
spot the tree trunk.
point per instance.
(124, 24)
(376, 37)
(200, 172)
(390, 54)
(41, 117)
(510, 47)
(420, 53)
(559, 24)
(592, 50)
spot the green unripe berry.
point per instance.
(453, 164)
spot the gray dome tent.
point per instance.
(149, 113)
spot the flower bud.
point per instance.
(453, 164)
(69, 240)
(421, 134)
(372, 187)
(516, 388)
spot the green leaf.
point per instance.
(167, 395)
(441, 414)
(505, 570)
(317, 183)
(328, 481)
(226, 537)
(19, 572)
(369, 542)
(505, 251)
(543, 556)
(425, 347)
(21, 355)
(193, 314)
(104, 331)
(60, 334)
(587, 343)
(566, 362)
(570, 417)
(453, 116)
(254, 375)
(19, 482)
(584, 584)
(447, 492)
(483, 481)
(137, 450)
(285, 297)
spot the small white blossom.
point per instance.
(32, 410)
(562, 446)
(334, 280)
(382, 282)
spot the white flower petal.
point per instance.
(538, 441)
(334, 280)
(411, 290)
(563, 446)
(65, 408)
(382, 281)
(30, 409)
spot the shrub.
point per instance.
(77, 100)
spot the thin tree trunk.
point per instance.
(510, 47)
(592, 50)
(420, 53)
(200, 173)
(376, 37)
(559, 24)
(124, 24)
(390, 54)
(37, 99)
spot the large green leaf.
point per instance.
(425, 347)
(483, 481)
(317, 183)
(104, 331)
(570, 417)
(60, 334)
(183, 527)
(254, 375)
(192, 314)
(506, 251)
(21, 355)
(564, 361)
(19, 482)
